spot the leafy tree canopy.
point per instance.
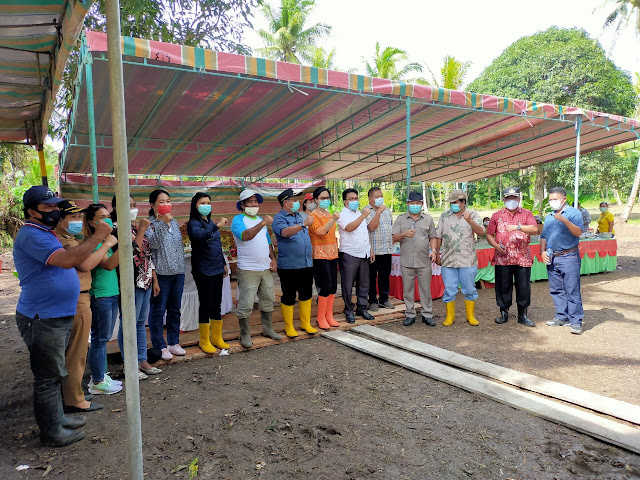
(560, 66)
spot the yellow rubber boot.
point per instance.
(470, 306)
(329, 312)
(305, 317)
(451, 314)
(216, 334)
(205, 343)
(287, 316)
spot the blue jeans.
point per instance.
(564, 287)
(46, 339)
(104, 312)
(168, 300)
(143, 297)
(464, 276)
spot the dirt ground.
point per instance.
(316, 409)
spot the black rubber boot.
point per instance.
(523, 319)
(504, 317)
(73, 423)
(245, 333)
(60, 437)
(267, 328)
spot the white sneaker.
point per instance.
(166, 355)
(177, 350)
(142, 375)
(111, 380)
(104, 388)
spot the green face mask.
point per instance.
(603, 209)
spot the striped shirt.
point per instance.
(381, 238)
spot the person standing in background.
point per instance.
(586, 218)
(380, 236)
(605, 220)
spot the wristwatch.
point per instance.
(519, 226)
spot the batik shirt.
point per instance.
(516, 242)
(458, 249)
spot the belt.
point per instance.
(563, 252)
(84, 291)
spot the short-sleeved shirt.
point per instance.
(69, 241)
(47, 291)
(557, 234)
(295, 251)
(604, 220)
(104, 283)
(516, 242)
(586, 219)
(167, 249)
(458, 246)
(325, 245)
(414, 251)
(252, 254)
(381, 238)
(354, 243)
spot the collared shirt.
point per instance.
(586, 219)
(458, 248)
(354, 243)
(46, 290)
(104, 283)
(516, 242)
(325, 245)
(414, 251)
(381, 238)
(604, 220)
(167, 248)
(557, 234)
(206, 247)
(254, 254)
(69, 241)
(295, 251)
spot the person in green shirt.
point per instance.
(104, 307)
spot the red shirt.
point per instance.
(515, 243)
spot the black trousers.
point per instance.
(210, 296)
(354, 269)
(380, 270)
(297, 280)
(325, 273)
(506, 277)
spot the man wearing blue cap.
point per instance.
(48, 299)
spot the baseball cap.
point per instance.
(288, 193)
(248, 194)
(414, 197)
(511, 192)
(455, 195)
(308, 196)
(69, 206)
(39, 194)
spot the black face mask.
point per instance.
(50, 219)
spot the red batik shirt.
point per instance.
(515, 243)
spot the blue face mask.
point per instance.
(378, 202)
(353, 205)
(295, 207)
(324, 204)
(75, 227)
(455, 207)
(204, 209)
(415, 209)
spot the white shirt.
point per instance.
(354, 243)
(252, 254)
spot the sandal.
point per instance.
(150, 371)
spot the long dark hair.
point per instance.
(194, 214)
(114, 214)
(153, 196)
(90, 214)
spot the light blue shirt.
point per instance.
(294, 252)
(557, 234)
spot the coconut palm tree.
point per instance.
(322, 59)
(452, 74)
(385, 64)
(623, 12)
(288, 39)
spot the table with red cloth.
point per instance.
(395, 280)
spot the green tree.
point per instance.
(322, 59)
(624, 11)
(452, 74)
(560, 66)
(388, 64)
(288, 38)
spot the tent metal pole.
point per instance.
(577, 178)
(127, 290)
(43, 166)
(408, 145)
(92, 122)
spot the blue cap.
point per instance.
(39, 194)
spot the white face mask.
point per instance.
(311, 206)
(511, 204)
(251, 211)
(556, 204)
(134, 213)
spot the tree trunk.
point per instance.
(617, 195)
(425, 203)
(538, 187)
(632, 197)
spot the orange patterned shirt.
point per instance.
(325, 247)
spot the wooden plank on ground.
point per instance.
(607, 430)
(592, 401)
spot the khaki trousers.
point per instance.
(250, 283)
(76, 356)
(409, 275)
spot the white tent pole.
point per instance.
(575, 190)
(127, 290)
(408, 145)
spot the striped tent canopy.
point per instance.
(198, 112)
(36, 40)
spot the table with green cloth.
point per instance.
(598, 255)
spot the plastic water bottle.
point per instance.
(549, 253)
